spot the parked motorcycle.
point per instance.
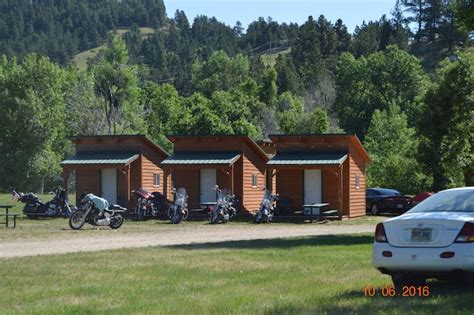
(34, 207)
(267, 207)
(178, 211)
(224, 210)
(97, 211)
(149, 204)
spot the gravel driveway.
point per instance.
(182, 235)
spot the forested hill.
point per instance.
(62, 28)
(408, 93)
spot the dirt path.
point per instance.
(180, 236)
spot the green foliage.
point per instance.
(32, 132)
(464, 14)
(162, 105)
(287, 76)
(268, 89)
(116, 84)
(61, 29)
(292, 118)
(83, 107)
(220, 73)
(319, 121)
(378, 35)
(373, 82)
(306, 53)
(447, 124)
(391, 144)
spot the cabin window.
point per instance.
(357, 181)
(156, 180)
(254, 180)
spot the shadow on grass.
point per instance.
(323, 240)
(444, 296)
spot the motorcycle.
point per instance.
(97, 212)
(178, 211)
(148, 204)
(267, 207)
(224, 210)
(34, 207)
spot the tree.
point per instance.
(268, 89)
(204, 120)
(374, 82)
(463, 14)
(447, 123)
(434, 18)
(306, 53)
(288, 79)
(116, 83)
(315, 122)
(164, 112)
(343, 37)
(392, 144)
(220, 73)
(366, 39)
(418, 9)
(400, 30)
(292, 118)
(32, 132)
(84, 109)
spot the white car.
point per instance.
(435, 239)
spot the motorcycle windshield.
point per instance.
(181, 196)
(224, 195)
(267, 194)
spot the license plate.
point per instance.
(421, 235)
(400, 206)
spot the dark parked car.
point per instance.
(380, 200)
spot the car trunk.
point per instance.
(397, 202)
(427, 229)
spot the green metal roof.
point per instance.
(89, 158)
(308, 158)
(194, 158)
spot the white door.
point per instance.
(312, 186)
(208, 181)
(109, 184)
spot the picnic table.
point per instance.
(7, 216)
(314, 211)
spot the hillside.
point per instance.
(61, 29)
(81, 59)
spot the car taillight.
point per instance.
(380, 233)
(467, 233)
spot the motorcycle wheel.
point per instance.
(77, 220)
(215, 217)
(33, 217)
(177, 217)
(141, 214)
(258, 218)
(116, 221)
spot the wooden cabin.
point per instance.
(234, 162)
(319, 169)
(270, 150)
(113, 166)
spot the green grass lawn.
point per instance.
(289, 276)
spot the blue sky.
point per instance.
(352, 12)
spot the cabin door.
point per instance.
(208, 181)
(312, 186)
(108, 183)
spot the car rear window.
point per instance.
(450, 200)
(389, 192)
